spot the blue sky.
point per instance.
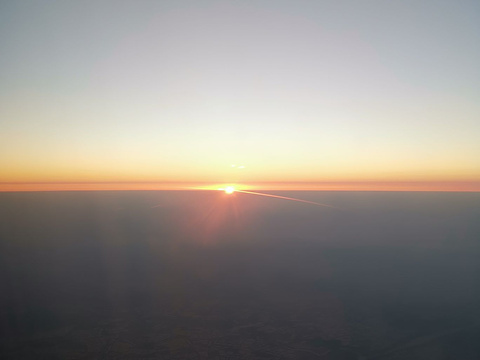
(292, 90)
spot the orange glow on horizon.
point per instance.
(453, 186)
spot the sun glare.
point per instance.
(229, 189)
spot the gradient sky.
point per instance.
(285, 90)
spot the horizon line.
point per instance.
(365, 185)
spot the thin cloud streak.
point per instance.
(286, 198)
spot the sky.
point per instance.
(239, 91)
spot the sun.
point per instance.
(229, 190)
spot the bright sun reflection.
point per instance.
(229, 189)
